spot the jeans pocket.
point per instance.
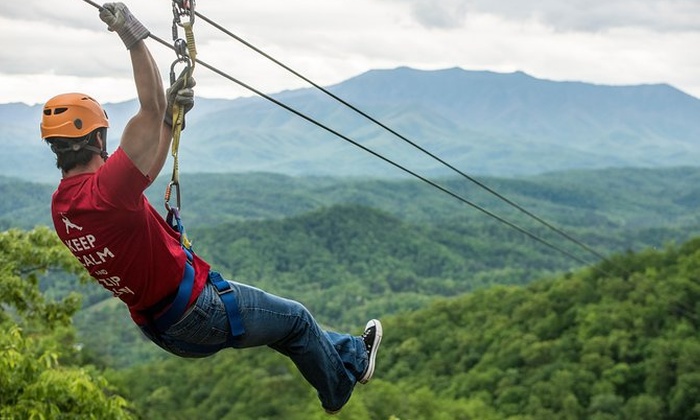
(204, 323)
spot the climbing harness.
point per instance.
(166, 313)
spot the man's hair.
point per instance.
(71, 152)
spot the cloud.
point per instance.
(571, 15)
(616, 41)
(57, 39)
(58, 15)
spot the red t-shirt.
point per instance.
(109, 225)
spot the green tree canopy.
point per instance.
(38, 375)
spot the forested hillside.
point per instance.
(622, 344)
(353, 247)
(482, 321)
(629, 198)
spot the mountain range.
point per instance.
(481, 122)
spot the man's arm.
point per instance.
(166, 136)
(141, 139)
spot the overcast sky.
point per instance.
(51, 47)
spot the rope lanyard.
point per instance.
(186, 52)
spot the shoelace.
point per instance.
(365, 335)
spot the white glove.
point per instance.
(120, 20)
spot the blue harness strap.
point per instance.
(184, 292)
(225, 291)
(179, 304)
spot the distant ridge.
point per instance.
(485, 123)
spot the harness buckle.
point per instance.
(225, 290)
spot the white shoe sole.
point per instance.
(373, 353)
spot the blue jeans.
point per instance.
(331, 362)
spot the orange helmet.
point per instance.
(72, 115)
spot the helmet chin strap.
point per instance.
(103, 153)
(74, 147)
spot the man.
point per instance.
(101, 215)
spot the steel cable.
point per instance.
(402, 137)
(382, 157)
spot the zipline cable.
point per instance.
(402, 137)
(378, 155)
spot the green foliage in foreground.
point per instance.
(40, 372)
(621, 345)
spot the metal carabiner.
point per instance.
(188, 65)
(168, 192)
(180, 46)
(183, 8)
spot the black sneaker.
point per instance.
(372, 337)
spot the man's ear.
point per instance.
(100, 139)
